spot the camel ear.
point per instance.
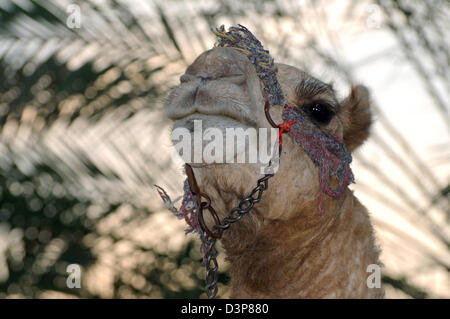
(357, 117)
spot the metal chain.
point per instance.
(212, 267)
(244, 206)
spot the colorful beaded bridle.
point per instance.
(326, 152)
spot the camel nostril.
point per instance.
(189, 77)
(203, 79)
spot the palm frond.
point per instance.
(81, 114)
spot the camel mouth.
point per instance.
(203, 116)
(212, 139)
(199, 123)
(205, 103)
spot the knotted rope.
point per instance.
(187, 211)
(241, 39)
(326, 152)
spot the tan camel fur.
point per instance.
(282, 248)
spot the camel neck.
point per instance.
(290, 259)
(296, 255)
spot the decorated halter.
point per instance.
(326, 152)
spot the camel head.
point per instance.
(221, 88)
(283, 247)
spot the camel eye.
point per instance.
(320, 112)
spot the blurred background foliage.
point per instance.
(83, 137)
